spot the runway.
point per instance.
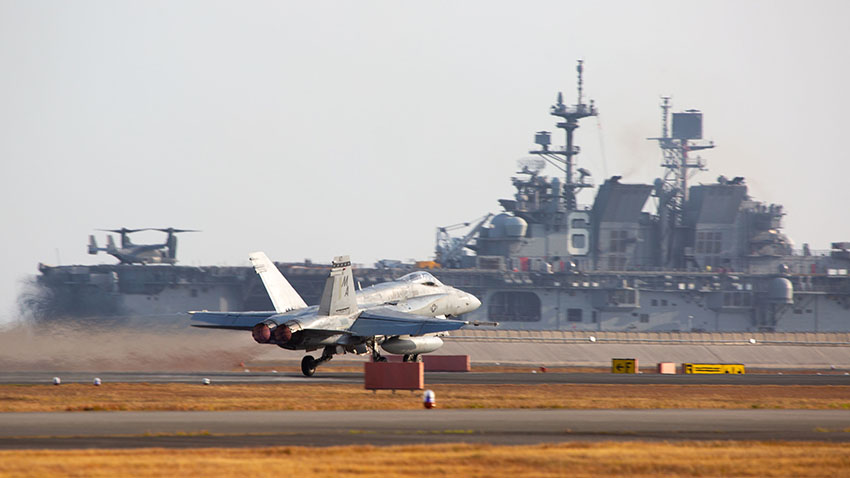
(57, 430)
(385, 427)
(430, 378)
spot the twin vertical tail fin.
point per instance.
(339, 296)
(93, 245)
(280, 291)
(110, 245)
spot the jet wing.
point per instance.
(229, 320)
(386, 321)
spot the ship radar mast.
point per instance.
(686, 137)
(676, 143)
(564, 159)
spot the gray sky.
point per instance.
(310, 129)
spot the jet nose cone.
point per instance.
(474, 303)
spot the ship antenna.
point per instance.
(580, 70)
(665, 114)
(565, 159)
(677, 142)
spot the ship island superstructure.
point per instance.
(667, 256)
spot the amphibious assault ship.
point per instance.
(707, 257)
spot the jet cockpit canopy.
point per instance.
(420, 277)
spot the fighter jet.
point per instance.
(405, 316)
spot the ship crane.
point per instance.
(449, 251)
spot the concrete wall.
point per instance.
(771, 350)
(803, 338)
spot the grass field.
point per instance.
(143, 396)
(579, 460)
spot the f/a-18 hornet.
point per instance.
(405, 316)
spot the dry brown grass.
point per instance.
(632, 459)
(143, 396)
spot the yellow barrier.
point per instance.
(624, 365)
(713, 368)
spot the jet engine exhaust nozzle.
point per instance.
(282, 334)
(287, 335)
(262, 333)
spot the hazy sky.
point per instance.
(311, 129)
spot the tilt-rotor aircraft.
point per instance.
(131, 253)
(404, 317)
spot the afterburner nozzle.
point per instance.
(282, 334)
(262, 333)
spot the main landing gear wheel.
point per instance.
(411, 358)
(308, 366)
